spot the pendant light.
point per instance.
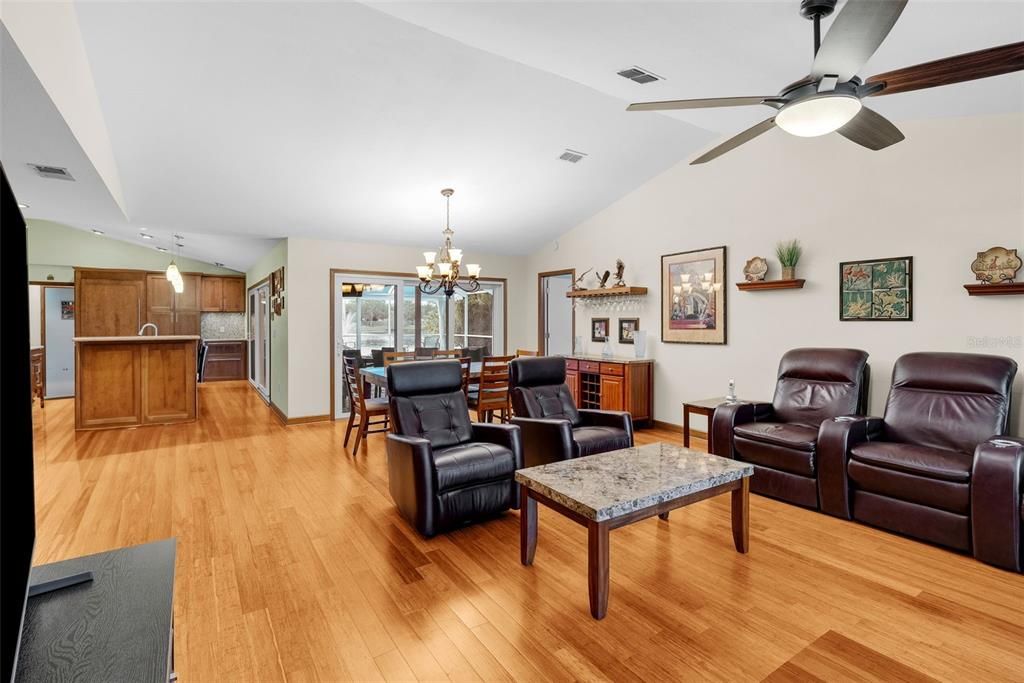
(173, 274)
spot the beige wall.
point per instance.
(56, 249)
(952, 188)
(271, 261)
(307, 280)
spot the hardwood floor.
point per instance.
(293, 564)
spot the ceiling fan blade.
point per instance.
(872, 130)
(966, 67)
(702, 104)
(735, 141)
(854, 36)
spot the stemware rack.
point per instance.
(609, 298)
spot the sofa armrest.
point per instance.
(617, 419)
(725, 419)
(835, 439)
(411, 480)
(545, 440)
(510, 436)
(997, 477)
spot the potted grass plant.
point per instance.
(789, 254)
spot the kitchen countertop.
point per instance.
(214, 340)
(611, 359)
(148, 339)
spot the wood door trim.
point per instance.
(384, 273)
(540, 308)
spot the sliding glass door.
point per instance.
(378, 312)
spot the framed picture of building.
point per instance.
(693, 297)
(877, 289)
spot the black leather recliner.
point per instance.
(553, 428)
(443, 470)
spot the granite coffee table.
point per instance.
(610, 490)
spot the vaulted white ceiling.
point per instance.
(240, 122)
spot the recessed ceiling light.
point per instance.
(145, 236)
(161, 249)
(22, 206)
(97, 232)
(218, 264)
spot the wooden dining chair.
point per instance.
(467, 364)
(525, 352)
(491, 395)
(447, 353)
(366, 415)
(398, 357)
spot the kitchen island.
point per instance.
(134, 381)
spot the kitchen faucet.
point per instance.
(156, 332)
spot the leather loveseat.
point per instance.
(781, 439)
(937, 466)
(443, 470)
(553, 428)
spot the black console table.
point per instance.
(118, 627)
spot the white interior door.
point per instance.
(259, 339)
(557, 315)
(59, 328)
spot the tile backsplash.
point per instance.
(222, 325)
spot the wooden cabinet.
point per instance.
(171, 312)
(109, 303)
(608, 384)
(223, 294)
(133, 382)
(224, 360)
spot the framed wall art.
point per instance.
(599, 329)
(693, 297)
(627, 327)
(877, 289)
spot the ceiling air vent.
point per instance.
(572, 156)
(55, 172)
(638, 75)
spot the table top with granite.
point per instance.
(609, 485)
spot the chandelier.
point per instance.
(446, 262)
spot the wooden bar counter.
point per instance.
(135, 381)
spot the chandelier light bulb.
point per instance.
(425, 273)
(445, 269)
(455, 255)
(474, 270)
(430, 257)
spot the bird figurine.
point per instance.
(577, 284)
(620, 269)
(602, 280)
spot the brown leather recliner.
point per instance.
(935, 467)
(780, 439)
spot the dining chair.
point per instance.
(398, 357)
(474, 352)
(366, 415)
(525, 352)
(425, 351)
(491, 394)
(440, 354)
(467, 364)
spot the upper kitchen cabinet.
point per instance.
(171, 312)
(109, 303)
(225, 294)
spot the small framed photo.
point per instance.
(627, 326)
(599, 329)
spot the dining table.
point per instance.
(378, 375)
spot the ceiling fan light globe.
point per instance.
(816, 116)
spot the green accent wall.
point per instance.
(56, 249)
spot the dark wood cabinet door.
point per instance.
(109, 303)
(212, 296)
(186, 322)
(234, 294)
(612, 392)
(572, 380)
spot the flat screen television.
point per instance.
(17, 504)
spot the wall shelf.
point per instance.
(607, 291)
(995, 290)
(770, 284)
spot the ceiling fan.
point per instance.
(830, 98)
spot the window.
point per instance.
(473, 320)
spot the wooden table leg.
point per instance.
(741, 516)
(527, 526)
(686, 426)
(663, 516)
(597, 568)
